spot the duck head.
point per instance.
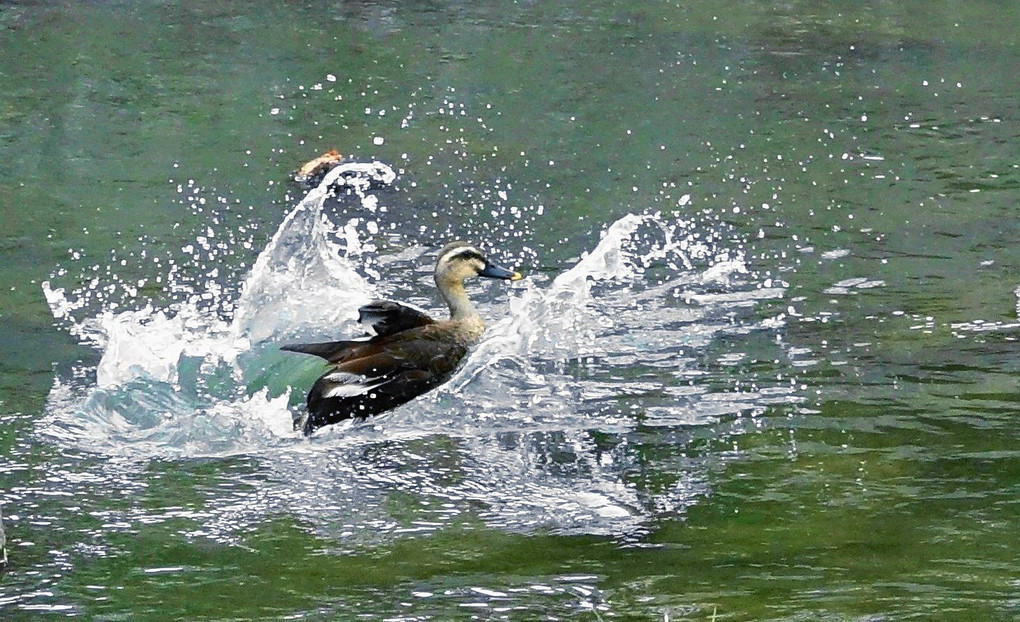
(459, 261)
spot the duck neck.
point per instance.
(456, 298)
(461, 309)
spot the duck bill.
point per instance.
(498, 272)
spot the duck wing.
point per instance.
(332, 351)
(380, 376)
(386, 317)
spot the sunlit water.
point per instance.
(613, 347)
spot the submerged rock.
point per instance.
(312, 172)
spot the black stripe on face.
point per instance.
(466, 252)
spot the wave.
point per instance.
(540, 429)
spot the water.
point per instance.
(763, 364)
(182, 382)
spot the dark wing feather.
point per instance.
(386, 317)
(332, 351)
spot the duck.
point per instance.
(407, 352)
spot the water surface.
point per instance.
(763, 364)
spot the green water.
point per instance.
(864, 153)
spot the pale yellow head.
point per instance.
(458, 261)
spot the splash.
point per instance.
(174, 378)
(541, 428)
